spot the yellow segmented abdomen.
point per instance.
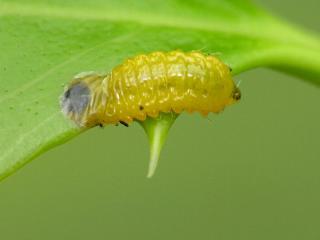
(158, 82)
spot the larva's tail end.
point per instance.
(157, 130)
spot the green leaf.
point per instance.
(45, 43)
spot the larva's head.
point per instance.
(76, 98)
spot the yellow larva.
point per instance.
(146, 85)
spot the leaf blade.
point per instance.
(46, 44)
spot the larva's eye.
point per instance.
(75, 99)
(236, 94)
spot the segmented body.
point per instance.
(148, 84)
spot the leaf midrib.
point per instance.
(275, 31)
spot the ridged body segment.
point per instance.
(157, 82)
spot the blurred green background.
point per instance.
(252, 172)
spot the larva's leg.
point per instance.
(124, 123)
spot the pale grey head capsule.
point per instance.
(75, 99)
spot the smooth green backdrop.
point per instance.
(251, 173)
